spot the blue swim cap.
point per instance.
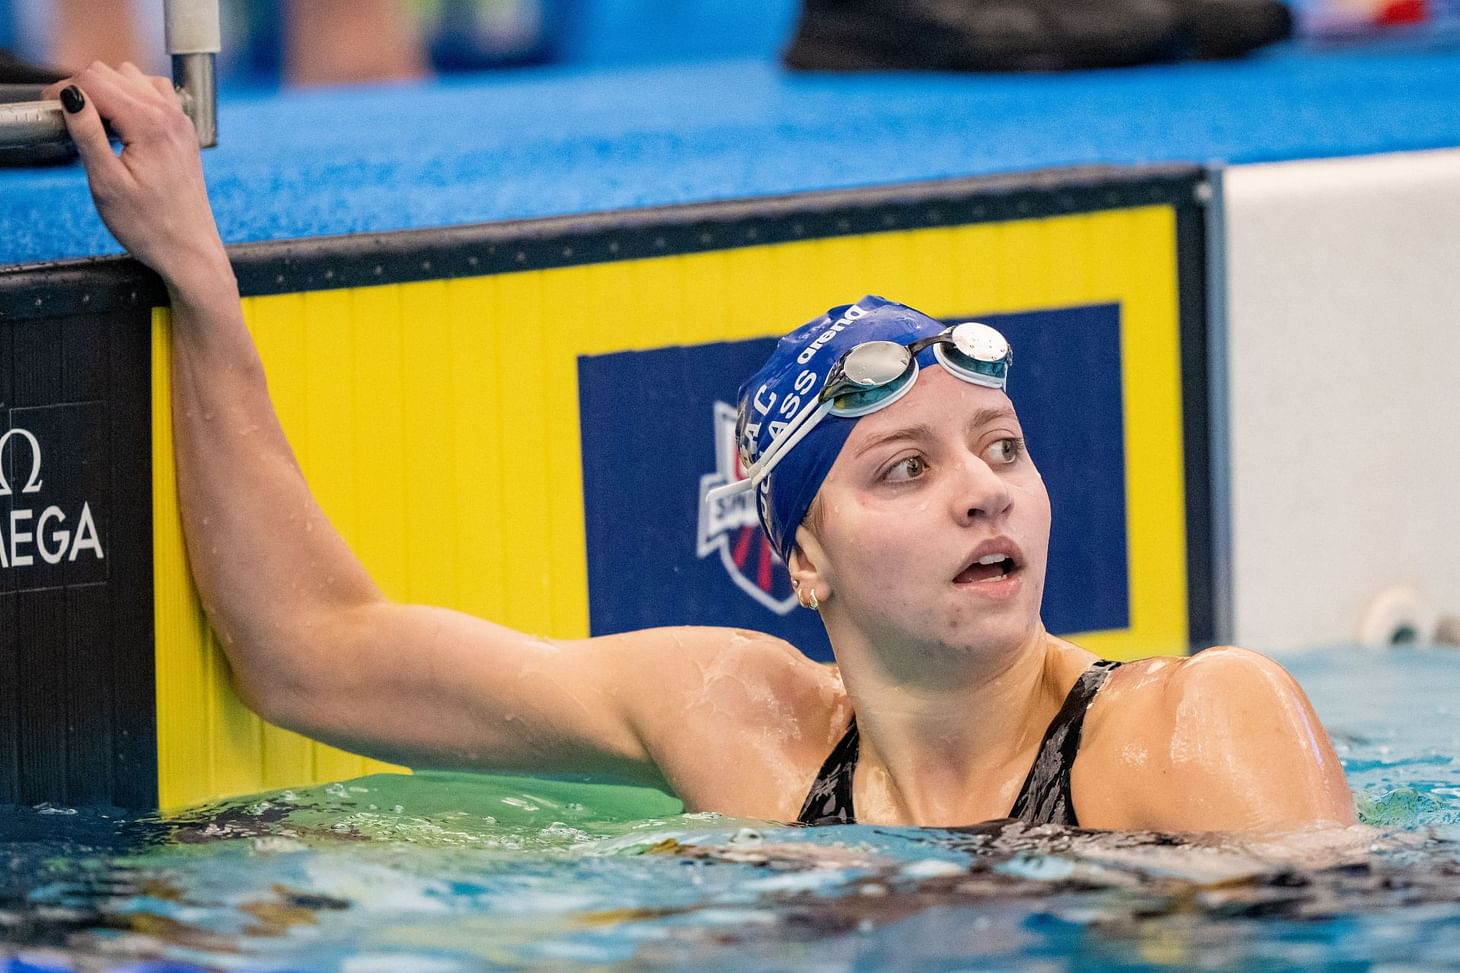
(787, 384)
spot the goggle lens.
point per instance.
(859, 401)
(996, 371)
(870, 375)
(977, 351)
(875, 362)
(876, 373)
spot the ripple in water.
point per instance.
(467, 873)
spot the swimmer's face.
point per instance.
(918, 495)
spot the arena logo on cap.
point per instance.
(837, 327)
(765, 400)
(730, 528)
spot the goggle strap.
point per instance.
(796, 430)
(794, 433)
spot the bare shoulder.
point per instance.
(1228, 674)
(719, 659)
(1223, 740)
(693, 678)
(1216, 680)
(732, 718)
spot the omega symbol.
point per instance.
(33, 484)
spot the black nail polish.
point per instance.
(72, 99)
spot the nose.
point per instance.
(979, 492)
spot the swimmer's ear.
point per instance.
(807, 564)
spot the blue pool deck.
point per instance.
(563, 141)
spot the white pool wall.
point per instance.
(1343, 386)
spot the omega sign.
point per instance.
(50, 535)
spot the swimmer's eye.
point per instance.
(1006, 451)
(906, 469)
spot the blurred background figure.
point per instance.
(1027, 35)
(323, 41)
(1405, 21)
(17, 70)
(311, 42)
(347, 41)
(296, 42)
(83, 31)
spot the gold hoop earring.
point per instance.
(814, 604)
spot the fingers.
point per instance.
(129, 100)
(119, 99)
(166, 90)
(135, 106)
(87, 131)
(162, 86)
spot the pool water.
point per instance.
(440, 873)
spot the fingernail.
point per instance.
(72, 99)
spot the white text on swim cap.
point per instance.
(804, 383)
(837, 327)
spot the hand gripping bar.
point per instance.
(193, 41)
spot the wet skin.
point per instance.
(945, 661)
(921, 492)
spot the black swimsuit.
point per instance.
(1044, 798)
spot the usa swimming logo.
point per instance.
(729, 527)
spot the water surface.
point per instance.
(466, 873)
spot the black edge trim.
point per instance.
(96, 285)
(1191, 241)
(322, 263)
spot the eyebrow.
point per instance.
(992, 414)
(982, 417)
(919, 431)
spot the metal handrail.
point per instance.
(193, 41)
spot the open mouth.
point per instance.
(990, 567)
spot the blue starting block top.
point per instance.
(564, 141)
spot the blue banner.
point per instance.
(658, 430)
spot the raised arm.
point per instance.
(313, 643)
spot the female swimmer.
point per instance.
(903, 501)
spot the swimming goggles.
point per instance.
(875, 374)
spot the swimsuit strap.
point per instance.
(830, 800)
(1045, 797)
